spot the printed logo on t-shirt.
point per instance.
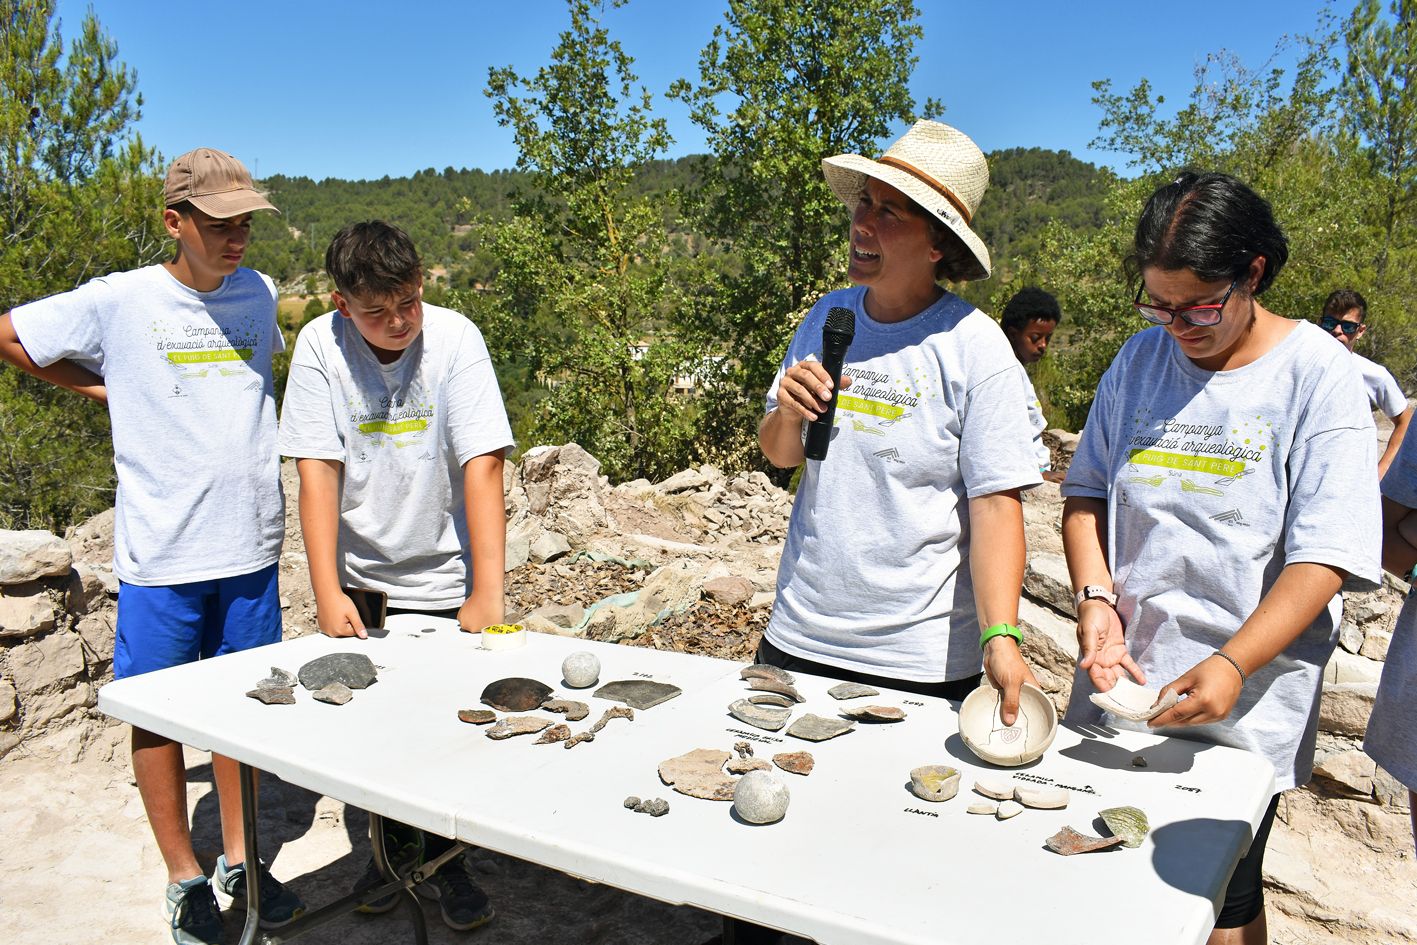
(1205, 459)
(197, 351)
(399, 420)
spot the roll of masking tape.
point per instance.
(503, 636)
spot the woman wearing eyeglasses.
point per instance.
(1204, 544)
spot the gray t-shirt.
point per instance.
(1039, 423)
(1214, 482)
(1383, 390)
(875, 575)
(403, 432)
(192, 406)
(1392, 730)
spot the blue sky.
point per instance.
(368, 88)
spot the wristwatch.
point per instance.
(1093, 592)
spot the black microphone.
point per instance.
(837, 333)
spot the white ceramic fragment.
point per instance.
(1009, 809)
(760, 798)
(1041, 796)
(983, 807)
(934, 782)
(1135, 703)
(984, 732)
(581, 669)
(1000, 789)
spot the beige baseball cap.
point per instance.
(215, 183)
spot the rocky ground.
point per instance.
(687, 564)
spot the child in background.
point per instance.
(1029, 319)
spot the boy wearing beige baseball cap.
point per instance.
(180, 352)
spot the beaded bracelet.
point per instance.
(1231, 660)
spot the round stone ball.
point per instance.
(760, 798)
(581, 669)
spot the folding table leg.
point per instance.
(253, 876)
(381, 860)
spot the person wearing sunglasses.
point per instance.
(1345, 317)
(1203, 537)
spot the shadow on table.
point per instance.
(1184, 853)
(1172, 756)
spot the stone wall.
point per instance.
(56, 633)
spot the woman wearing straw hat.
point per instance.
(906, 543)
(1203, 531)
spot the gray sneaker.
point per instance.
(192, 912)
(279, 904)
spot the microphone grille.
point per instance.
(841, 321)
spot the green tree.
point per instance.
(1379, 96)
(803, 80)
(79, 197)
(586, 291)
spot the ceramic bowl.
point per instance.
(1009, 745)
(934, 782)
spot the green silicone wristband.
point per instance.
(1001, 630)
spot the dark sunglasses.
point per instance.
(1328, 323)
(1201, 316)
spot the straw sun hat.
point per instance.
(933, 164)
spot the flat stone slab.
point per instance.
(875, 713)
(274, 696)
(355, 670)
(818, 728)
(638, 693)
(851, 690)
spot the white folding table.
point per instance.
(858, 859)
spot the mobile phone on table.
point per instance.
(373, 606)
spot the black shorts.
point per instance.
(1244, 897)
(954, 689)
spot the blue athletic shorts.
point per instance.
(167, 626)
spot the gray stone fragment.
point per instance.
(1046, 578)
(278, 679)
(638, 693)
(851, 690)
(281, 696)
(355, 670)
(549, 546)
(875, 713)
(655, 807)
(29, 555)
(1350, 636)
(336, 693)
(632, 802)
(28, 610)
(817, 728)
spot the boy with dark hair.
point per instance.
(1345, 317)
(393, 414)
(1029, 320)
(172, 348)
